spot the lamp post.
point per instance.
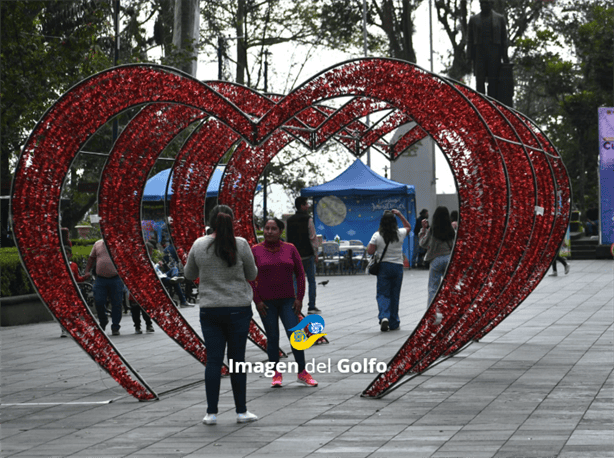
(220, 52)
(115, 55)
(265, 180)
(364, 41)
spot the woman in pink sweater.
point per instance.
(274, 294)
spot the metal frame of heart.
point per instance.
(514, 192)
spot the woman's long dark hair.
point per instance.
(442, 225)
(224, 243)
(388, 227)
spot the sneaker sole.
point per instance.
(247, 420)
(307, 384)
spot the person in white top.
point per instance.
(390, 276)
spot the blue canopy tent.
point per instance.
(155, 188)
(352, 204)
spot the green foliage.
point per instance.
(78, 243)
(566, 73)
(454, 15)
(15, 281)
(253, 27)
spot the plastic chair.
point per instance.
(360, 260)
(330, 255)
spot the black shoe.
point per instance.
(115, 332)
(149, 328)
(314, 310)
(138, 331)
(384, 324)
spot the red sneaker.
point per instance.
(306, 379)
(277, 379)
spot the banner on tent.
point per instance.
(357, 218)
(606, 174)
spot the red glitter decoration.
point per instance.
(513, 189)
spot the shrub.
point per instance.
(15, 280)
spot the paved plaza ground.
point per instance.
(539, 385)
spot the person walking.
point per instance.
(301, 233)
(390, 277)
(275, 296)
(107, 285)
(562, 260)
(418, 251)
(438, 241)
(225, 264)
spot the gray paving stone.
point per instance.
(539, 385)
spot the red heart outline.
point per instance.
(504, 167)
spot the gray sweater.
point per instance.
(220, 285)
(434, 246)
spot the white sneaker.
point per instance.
(553, 274)
(210, 419)
(246, 417)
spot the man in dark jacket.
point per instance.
(301, 232)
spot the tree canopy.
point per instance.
(562, 50)
(565, 72)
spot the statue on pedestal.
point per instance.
(486, 48)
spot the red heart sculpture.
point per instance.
(513, 189)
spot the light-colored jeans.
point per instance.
(437, 269)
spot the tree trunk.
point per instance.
(398, 30)
(186, 34)
(240, 31)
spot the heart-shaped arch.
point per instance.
(513, 189)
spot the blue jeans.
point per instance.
(222, 325)
(111, 288)
(309, 265)
(389, 281)
(414, 254)
(438, 268)
(280, 309)
(176, 287)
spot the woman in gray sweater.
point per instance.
(224, 264)
(438, 240)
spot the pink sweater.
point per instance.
(275, 269)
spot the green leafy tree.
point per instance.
(46, 48)
(566, 71)
(454, 15)
(255, 26)
(390, 26)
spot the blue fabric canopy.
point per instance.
(156, 185)
(351, 205)
(358, 179)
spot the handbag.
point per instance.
(374, 262)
